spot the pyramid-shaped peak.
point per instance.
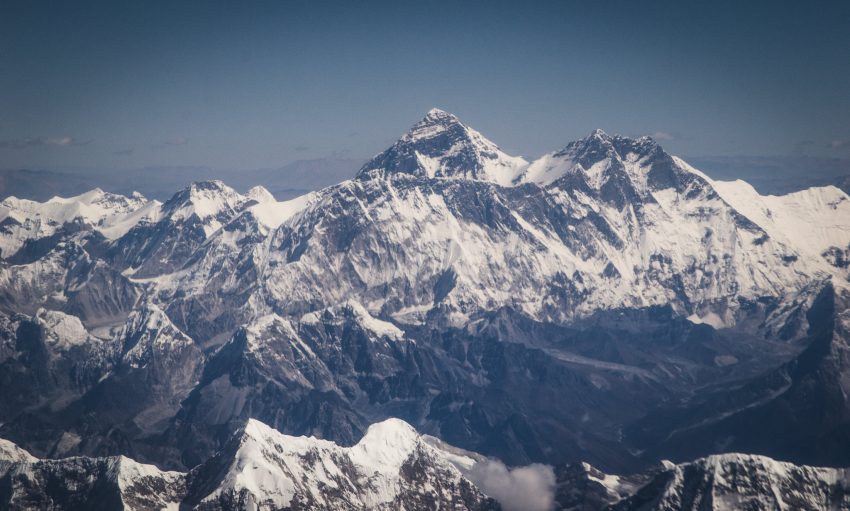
(440, 146)
(436, 122)
(438, 115)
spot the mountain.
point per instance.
(606, 303)
(440, 146)
(740, 481)
(391, 467)
(288, 181)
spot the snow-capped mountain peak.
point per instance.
(211, 203)
(441, 146)
(260, 194)
(392, 467)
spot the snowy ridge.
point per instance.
(109, 213)
(743, 481)
(530, 311)
(390, 468)
(440, 146)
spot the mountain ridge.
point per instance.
(532, 311)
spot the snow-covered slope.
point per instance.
(813, 221)
(618, 224)
(111, 214)
(527, 310)
(440, 146)
(115, 482)
(392, 467)
(734, 481)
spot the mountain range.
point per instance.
(607, 303)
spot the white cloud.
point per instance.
(662, 135)
(20, 143)
(528, 488)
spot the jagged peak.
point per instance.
(203, 198)
(436, 115)
(435, 123)
(352, 309)
(441, 146)
(260, 194)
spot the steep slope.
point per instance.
(440, 146)
(535, 312)
(652, 232)
(391, 467)
(25, 221)
(811, 220)
(162, 244)
(799, 411)
(739, 482)
(88, 483)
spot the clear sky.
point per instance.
(124, 84)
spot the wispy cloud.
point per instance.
(301, 148)
(22, 143)
(839, 144)
(125, 152)
(171, 142)
(663, 135)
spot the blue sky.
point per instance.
(258, 84)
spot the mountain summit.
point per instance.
(440, 145)
(580, 307)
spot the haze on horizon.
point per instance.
(251, 85)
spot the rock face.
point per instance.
(606, 302)
(739, 481)
(391, 467)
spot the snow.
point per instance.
(712, 319)
(482, 159)
(63, 331)
(260, 194)
(270, 465)
(10, 452)
(385, 446)
(547, 169)
(103, 211)
(380, 328)
(811, 220)
(272, 213)
(208, 201)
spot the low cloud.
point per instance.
(529, 488)
(22, 143)
(301, 148)
(125, 152)
(839, 144)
